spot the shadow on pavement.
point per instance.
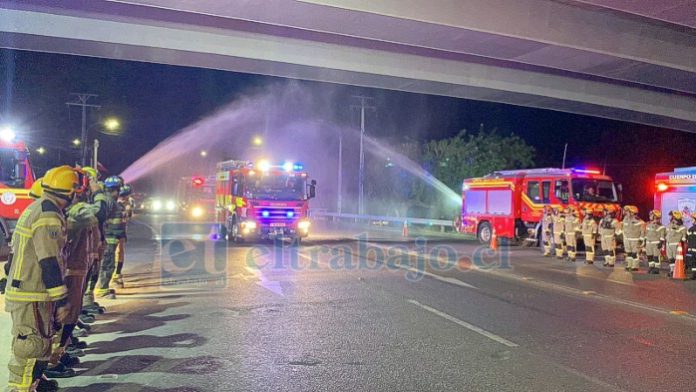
(126, 387)
(127, 343)
(129, 364)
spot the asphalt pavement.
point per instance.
(369, 310)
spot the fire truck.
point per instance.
(262, 201)
(16, 178)
(195, 197)
(511, 202)
(676, 191)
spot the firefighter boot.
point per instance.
(559, 252)
(46, 385)
(59, 371)
(629, 263)
(606, 259)
(547, 250)
(589, 257)
(117, 280)
(571, 254)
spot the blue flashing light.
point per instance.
(297, 167)
(290, 214)
(265, 213)
(587, 171)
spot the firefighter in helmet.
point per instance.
(589, 234)
(125, 203)
(691, 248)
(572, 228)
(608, 228)
(633, 229)
(654, 241)
(547, 229)
(114, 228)
(676, 234)
(35, 192)
(558, 231)
(36, 291)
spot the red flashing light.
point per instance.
(661, 187)
(198, 181)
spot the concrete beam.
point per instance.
(279, 56)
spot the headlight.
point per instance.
(170, 205)
(303, 225)
(197, 212)
(249, 225)
(156, 205)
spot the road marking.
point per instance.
(466, 325)
(679, 312)
(589, 292)
(445, 279)
(270, 285)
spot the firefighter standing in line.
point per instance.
(608, 228)
(676, 233)
(572, 228)
(547, 230)
(654, 241)
(558, 231)
(82, 226)
(106, 203)
(36, 292)
(126, 203)
(633, 237)
(589, 234)
(114, 229)
(691, 248)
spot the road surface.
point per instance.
(347, 311)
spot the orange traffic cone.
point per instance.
(494, 241)
(679, 267)
(404, 231)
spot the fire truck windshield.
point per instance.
(276, 187)
(12, 169)
(589, 190)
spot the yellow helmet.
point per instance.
(36, 189)
(91, 172)
(656, 214)
(60, 181)
(676, 214)
(631, 208)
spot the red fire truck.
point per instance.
(511, 202)
(262, 200)
(16, 178)
(676, 191)
(195, 197)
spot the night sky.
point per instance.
(155, 101)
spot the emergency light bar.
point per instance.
(287, 166)
(587, 171)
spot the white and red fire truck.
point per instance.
(511, 202)
(262, 200)
(676, 191)
(16, 178)
(195, 197)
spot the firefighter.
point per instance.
(36, 294)
(633, 229)
(589, 234)
(547, 229)
(608, 228)
(114, 229)
(571, 229)
(691, 248)
(126, 203)
(35, 192)
(654, 241)
(99, 197)
(558, 231)
(675, 234)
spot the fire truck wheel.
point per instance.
(485, 232)
(233, 233)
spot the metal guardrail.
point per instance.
(378, 218)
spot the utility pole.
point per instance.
(364, 105)
(81, 100)
(565, 152)
(340, 171)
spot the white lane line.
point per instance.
(466, 325)
(453, 281)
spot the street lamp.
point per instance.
(41, 150)
(76, 142)
(7, 134)
(112, 124)
(257, 141)
(204, 153)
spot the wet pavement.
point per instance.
(375, 312)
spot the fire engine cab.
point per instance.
(16, 178)
(262, 200)
(676, 191)
(511, 202)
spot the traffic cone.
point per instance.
(679, 267)
(404, 231)
(494, 241)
